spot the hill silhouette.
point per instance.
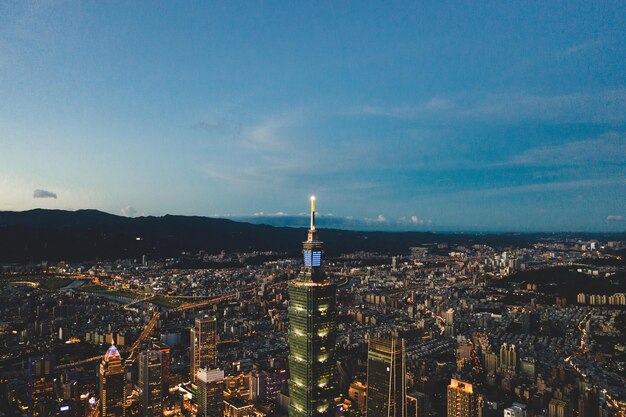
(41, 234)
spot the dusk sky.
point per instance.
(427, 115)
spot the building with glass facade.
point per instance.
(312, 334)
(111, 384)
(386, 377)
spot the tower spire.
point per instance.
(312, 212)
(312, 231)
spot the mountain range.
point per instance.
(52, 235)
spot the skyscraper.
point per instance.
(41, 385)
(449, 317)
(462, 400)
(560, 408)
(417, 404)
(203, 344)
(508, 357)
(210, 392)
(312, 334)
(149, 382)
(386, 377)
(111, 379)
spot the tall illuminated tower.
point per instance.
(111, 377)
(312, 334)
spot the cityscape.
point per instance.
(441, 330)
(323, 209)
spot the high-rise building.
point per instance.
(589, 403)
(491, 362)
(265, 385)
(312, 334)
(528, 368)
(462, 400)
(386, 377)
(149, 382)
(560, 408)
(238, 407)
(41, 385)
(210, 392)
(530, 322)
(111, 384)
(165, 367)
(417, 404)
(508, 357)
(449, 328)
(203, 344)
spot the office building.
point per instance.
(111, 384)
(312, 334)
(417, 404)
(508, 357)
(386, 377)
(237, 407)
(449, 318)
(462, 400)
(560, 408)
(41, 389)
(203, 344)
(149, 383)
(210, 392)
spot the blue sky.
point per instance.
(434, 115)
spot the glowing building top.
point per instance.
(312, 252)
(112, 354)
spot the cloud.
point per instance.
(610, 147)
(413, 221)
(44, 194)
(210, 126)
(581, 47)
(270, 135)
(595, 106)
(129, 211)
(614, 218)
(433, 105)
(335, 222)
(542, 187)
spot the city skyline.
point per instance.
(429, 329)
(423, 117)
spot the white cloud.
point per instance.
(614, 218)
(413, 221)
(129, 211)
